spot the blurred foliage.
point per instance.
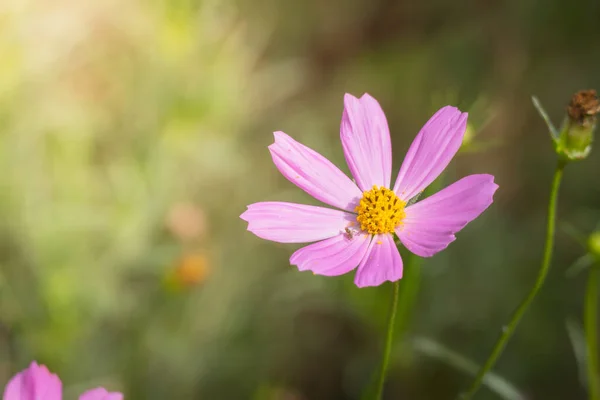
(133, 133)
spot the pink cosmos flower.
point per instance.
(37, 383)
(371, 211)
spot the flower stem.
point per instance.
(508, 330)
(590, 322)
(388, 341)
(411, 281)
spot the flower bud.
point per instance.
(594, 244)
(575, 139)
(480, 114)
(469, 135)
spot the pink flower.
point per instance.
(37, 383)
(362, 232)
(100, 394)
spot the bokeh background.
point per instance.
(133, 134)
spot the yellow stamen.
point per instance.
(380, 211)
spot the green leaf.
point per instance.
(546, 118)
(579, 265)
(577, 339)
(493, 381)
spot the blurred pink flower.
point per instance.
(37, 383)
(362, 232)
(100, 394)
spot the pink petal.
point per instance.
(101, 394)
(431, 151)
(430, 225)
(313, 173)
(295, 223)
(366, 140)
(34, 383)
(382, 263)
(333, 256)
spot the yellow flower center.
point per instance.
(380, 211)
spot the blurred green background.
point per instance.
(133, 134)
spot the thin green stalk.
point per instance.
(402, 303)
(590, 322)
(411, 281)
(389, 339)
(508, 330)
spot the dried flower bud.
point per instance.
(575, 139)
(583, 107)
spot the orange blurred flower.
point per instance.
(191, 270)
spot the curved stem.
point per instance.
(508, 330)
(388, 341)
(590, 322)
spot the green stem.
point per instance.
(508, 330)
(389, 339)
(411, 282)
(590, 323)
